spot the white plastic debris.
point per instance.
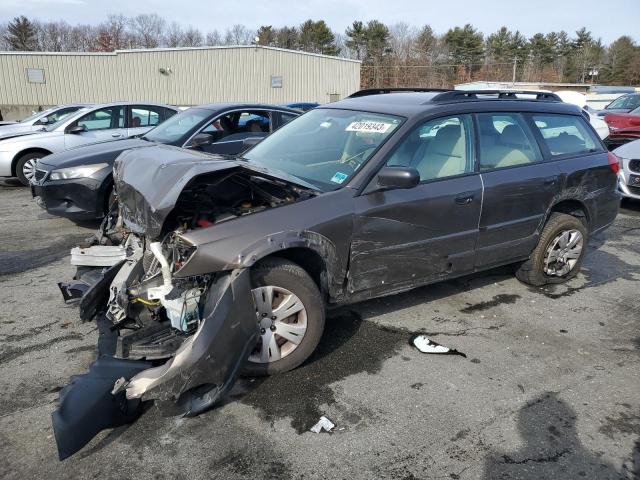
(324, 423)
(425, 345)
(98, 255)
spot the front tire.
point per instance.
(559, 253)
(290, 312)
(26, 166)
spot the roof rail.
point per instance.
(379, 91)
(471, 95)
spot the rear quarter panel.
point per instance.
(590, 180)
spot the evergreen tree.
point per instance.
(22, 34)
(466, 46)
(357, 39)
(316, 37)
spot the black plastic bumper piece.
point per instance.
(87, 405)
(73, 291)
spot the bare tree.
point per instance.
(238, 35)
(148, 29)
(82, 38)
(192, 37)
(113, 34)
(174, 36)
(402, 41)
(214, 38)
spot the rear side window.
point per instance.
(505, 141)
(566, 134)
(145, 116)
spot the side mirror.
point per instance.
(77, 129)
(398, 177)
(251, 141)
(43, 121)
(201, 139)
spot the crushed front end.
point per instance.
(164, 335)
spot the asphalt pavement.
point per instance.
(549, 388)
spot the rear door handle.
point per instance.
(550, 180)
(464, 198)
(116, 135)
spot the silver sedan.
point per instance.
(107, 121)
(38, 121)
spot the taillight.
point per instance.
(614, 163)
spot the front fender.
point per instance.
(212, 257)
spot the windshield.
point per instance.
(37, 114)
(324, 147)
(74, 115)
(625, 101)
(177, 126)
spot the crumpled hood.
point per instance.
(101, 152)
(149, 181)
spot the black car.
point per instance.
(229, 264)
(78, 183)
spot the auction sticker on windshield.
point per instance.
(369, 127)
(339, 177)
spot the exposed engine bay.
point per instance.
(181, 338)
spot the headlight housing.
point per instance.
(81, 171)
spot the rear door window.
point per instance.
(566, 134)
(103, 119)
(505, 141)
(145, 116)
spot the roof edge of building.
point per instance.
(147, 50)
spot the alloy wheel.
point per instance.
(563, 253)
(283, 323)
(29, 168)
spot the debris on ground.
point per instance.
(425, 345)
(324, 423)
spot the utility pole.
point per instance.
(513, 78)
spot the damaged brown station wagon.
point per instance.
(226, 265)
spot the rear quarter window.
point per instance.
(566, 134)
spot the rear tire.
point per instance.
(288, 277)
(25, 167)
(540, 269)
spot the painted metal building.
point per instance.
(177, 76)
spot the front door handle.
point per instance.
(116, 135)
(465, 198)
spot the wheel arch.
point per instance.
(19, 155)
(310, 261)
(571, 206)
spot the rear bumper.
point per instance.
(78, 199)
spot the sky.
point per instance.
(607, 19)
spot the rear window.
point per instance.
(566, 134)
